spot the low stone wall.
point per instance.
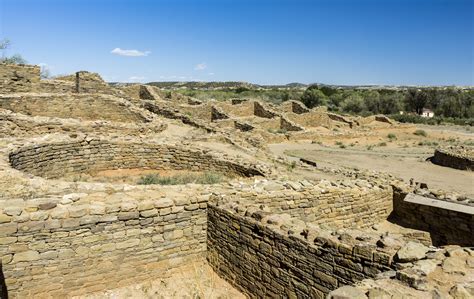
(455, 158)
(57, 160)
(311, 119)
(217, 114)
(238, 107)
(340, 118)
(80, 243)
(243, 126)
(265, 258)
(18, 78)
(86, 82)
(261, 111)
(332, 206)
(293, 107)
(447, 222)
(20, 125)
(84, 106)
(288, 125)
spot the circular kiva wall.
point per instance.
(57, 160)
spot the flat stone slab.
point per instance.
(445, 205)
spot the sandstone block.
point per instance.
(26, 256)
(411, 251)
(163, 203)
(5, 218)
(128, 243)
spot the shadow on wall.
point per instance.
(3, 285)
(447, 223)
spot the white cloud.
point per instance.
(211, 74)
(136, 78)
(131, 53)
(200, 66)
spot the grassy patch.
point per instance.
(205, 178)
(420, 133)
(391, 137)
(292, 166)
(382, 144)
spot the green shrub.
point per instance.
(420, 133)
(206, 178)
(392, 136)
(149, 179)
(382, 144)
(292, 166)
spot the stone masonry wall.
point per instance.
(19, 125)
(454, 159)
(261, 111)
(446, 226)
(84, 106)
(18, 78)
(333, 206)
(264, 258)
(56, 160)
(311, 119)
(80, 243)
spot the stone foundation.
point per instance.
(57, 160)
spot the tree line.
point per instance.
(447, 102)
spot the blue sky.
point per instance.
(429, 42)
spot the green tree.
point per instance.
(372, 101)
(416, 100)
(313, 97)
(354, 103)
(391, 103)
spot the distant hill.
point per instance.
(221, 85)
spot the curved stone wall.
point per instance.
(454, 158)
(57, 160)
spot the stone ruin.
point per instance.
(373, 236)
(454, 157)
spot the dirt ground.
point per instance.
(404, 155)
(196, 280)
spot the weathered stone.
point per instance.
(347, 292)
(412, 251)
(26, 256)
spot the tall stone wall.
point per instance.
(57, 160)
(81, 243)
(84, 106)
(447, 223)
(264, 258)
(18, 78)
